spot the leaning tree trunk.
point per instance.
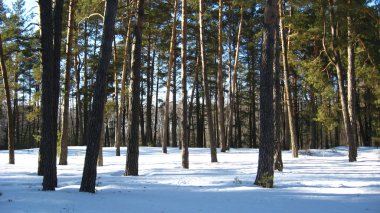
(185, 126)
(222, 128)
(50, 26)
(96, 117)
(66, 108)
(165, 141)
(132, 164)
(11, 128)
(288, 100)
(211, 132)
(118, 135)
(336, 60)
(265, 172)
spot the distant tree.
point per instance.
(265, 172)
(97, 113)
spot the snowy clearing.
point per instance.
(318, 181)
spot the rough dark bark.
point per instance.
(11, 129)
(66, 99)
(149, 94)
(50, 26)
(97, 113)
(265, 172)
(278, 165)
(132, 164)
(210, 123)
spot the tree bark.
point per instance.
(351, 82)
(11, 129)
(222, 128)
(335, 58)
(278, 165)
(185, 126)
(149, 83)
(132, 163)
(66, 99)
(211, 132)
(288, 100)
(265, 172)
(174, 108)
(97, 113)
(50, 26)
(118, 135)
(165, 141)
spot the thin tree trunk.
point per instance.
(156, 107)
(265, 172)
(211, 133)
(278, 165)
(85, 85)
(336, 60)
(97, 113)
(185, 126)
(66, 99)
(351, 81)
(132, 164)
(11, 133)
(149, 94)
(79, 103)
(174, 108)
(101, 143)
(124, 74)
(288, 100)
(222, 128)
(165, 141)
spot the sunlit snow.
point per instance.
(318, 181)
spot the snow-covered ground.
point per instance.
(318, 181)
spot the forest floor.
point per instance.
(317, 181)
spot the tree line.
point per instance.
(274, 75)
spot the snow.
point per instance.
(318, 181)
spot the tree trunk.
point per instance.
(101, 143)
(66, 99)
(336, 60)
(211, 133)
(85, 85)
(278, 165)
(50, 26)
(185, 126)
(11, 128)
(222, 128)
(156, 107)
(97, 113)
(78, 100)
(288, 100)
(351, 82)
(149, 94)
(174, 108)
(124, 74)
(132, 164)
(265, 172)
(165, 141)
